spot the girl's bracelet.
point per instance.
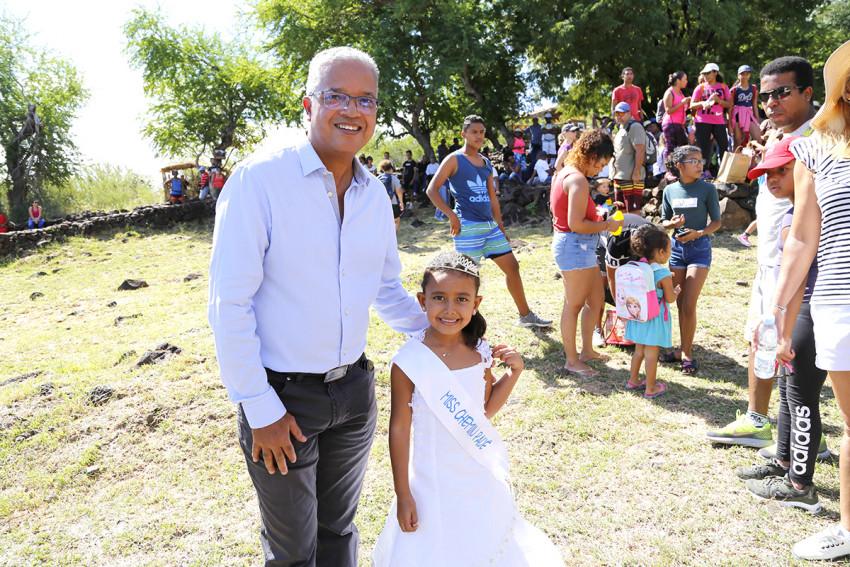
(780, 309)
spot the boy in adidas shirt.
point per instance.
(476, 222)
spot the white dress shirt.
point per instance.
(291, 285)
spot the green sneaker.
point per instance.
(769, 453)
(783, 493)
(742, 432)
(759, 472)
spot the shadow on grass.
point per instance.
(728, 240)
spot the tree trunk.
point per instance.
(422, 137)
(17, 194)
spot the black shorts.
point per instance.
(396, 211)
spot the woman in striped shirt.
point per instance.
(821, 227)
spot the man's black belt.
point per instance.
(331, 375)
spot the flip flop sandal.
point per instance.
(663, 389)
(668, 357)
(630, 386)
(589, 373)
(689, 367)
(602, 358)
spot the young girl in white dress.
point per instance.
(453, 503)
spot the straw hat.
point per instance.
(834, 77)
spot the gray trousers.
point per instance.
(307, 515)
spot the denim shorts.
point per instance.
(574, 251)
(696, 253)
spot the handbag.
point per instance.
(734, 167)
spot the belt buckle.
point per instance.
(336, 373)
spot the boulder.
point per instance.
(733, 216)
(512, 214)
(132, 284)
(733, 190)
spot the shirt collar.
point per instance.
(310, 162)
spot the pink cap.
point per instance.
(774, 156)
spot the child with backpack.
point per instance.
(650, 329)
(393, 187)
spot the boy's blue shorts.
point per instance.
(480, 240)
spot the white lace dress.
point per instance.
(466, 517)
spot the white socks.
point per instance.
(756, 419)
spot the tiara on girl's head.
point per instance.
(454, 260)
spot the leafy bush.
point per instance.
(99, 188)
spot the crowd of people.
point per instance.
(209, 184)
(290, 325)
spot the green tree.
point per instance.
(209, 94)
(589, 42)
(439, 59)
(39, 97)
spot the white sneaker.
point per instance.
(827, 544)
(598, 341)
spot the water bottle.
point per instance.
(765, 361)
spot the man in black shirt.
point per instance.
(408, 176)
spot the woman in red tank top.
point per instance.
(577, 231)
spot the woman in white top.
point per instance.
(820, 226)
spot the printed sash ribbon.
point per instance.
(454, 408)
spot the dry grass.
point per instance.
(155, 476)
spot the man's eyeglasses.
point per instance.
(339, 101)
(694, 161)
(777, 94)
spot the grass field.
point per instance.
(154, 476)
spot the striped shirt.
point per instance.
(832, 188)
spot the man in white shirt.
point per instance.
(304, 243)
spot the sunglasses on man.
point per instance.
(779, 93)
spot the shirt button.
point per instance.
(343, 272)
(346, 311)
(330, 194)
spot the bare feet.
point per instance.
(593, 355)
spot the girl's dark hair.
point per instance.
(671, 80)
(648, 239)
(477, 326)
(679, 155)
(592, 145)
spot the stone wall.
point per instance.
(521, 203)
(89, 223)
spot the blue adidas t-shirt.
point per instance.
(469, 187)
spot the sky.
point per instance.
(89, 34)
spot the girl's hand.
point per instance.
(612, 224)
(784, 352)
(686, 102)
(510, 357)
(687, 235)
(407, 517)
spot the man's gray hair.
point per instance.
(324, 59)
